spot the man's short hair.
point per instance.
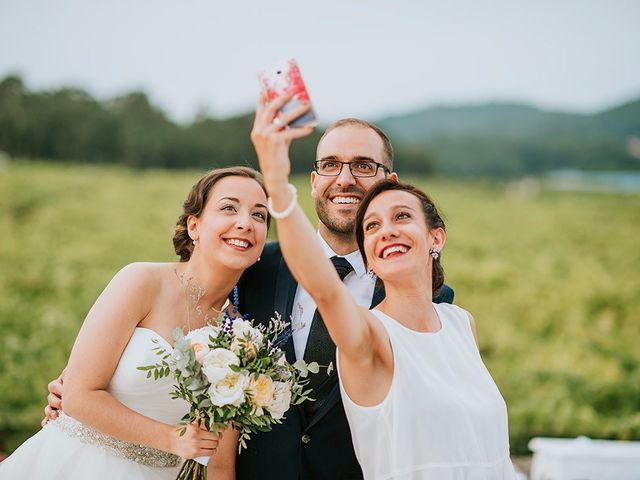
(386, 143)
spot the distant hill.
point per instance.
(500, 139)
(622, 121)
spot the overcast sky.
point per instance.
(359, 58)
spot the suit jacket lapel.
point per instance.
(286, 287)
(334, 395)
(285, 294)
(332, 398)
(378, 294)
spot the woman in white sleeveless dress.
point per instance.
(117, 424)
(419, 400)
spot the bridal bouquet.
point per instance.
(232, 374)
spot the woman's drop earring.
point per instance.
(434, 253)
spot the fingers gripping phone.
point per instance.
(285, 77)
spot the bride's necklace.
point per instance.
(194, 294)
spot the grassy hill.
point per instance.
(551, 280)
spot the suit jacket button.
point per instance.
(305, 438)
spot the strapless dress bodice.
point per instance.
(145, 395)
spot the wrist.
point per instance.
(276, 185)
(282, 202)
(168, 439)
(280, 196)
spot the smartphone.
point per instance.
(284, 77)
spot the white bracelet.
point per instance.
(287, 211)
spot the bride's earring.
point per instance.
(434, 253)
(371, 273)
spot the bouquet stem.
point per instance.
(192, 470)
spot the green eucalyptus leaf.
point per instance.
(330, 368)
(300, 365)
(177, 334)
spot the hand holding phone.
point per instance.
(284, 77)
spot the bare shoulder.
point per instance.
(141, 273)
(142, 277)
(472, 323)
(133, 292)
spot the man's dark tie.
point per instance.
(320, 348)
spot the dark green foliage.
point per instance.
(69, 125)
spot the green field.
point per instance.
(551, 279)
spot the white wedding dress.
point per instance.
(67, 450)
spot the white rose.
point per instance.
(229, 390)
(215, 364)
(261, 388)
(240, 327)
(281, 400)
(199, 340)
(243, 328)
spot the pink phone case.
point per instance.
(285, 77)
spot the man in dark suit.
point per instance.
(314, 441)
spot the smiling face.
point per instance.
(337, 198)
(232, 227)
(396, 237)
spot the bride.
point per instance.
(116, 423)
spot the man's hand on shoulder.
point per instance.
(54, 399)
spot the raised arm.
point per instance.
(95, 355)
(298, 240)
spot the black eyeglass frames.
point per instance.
(359, 168)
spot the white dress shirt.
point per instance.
(358, 282)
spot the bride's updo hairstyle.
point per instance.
(431, 216)
(197, 199)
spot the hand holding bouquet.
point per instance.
(233, 374)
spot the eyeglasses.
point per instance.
(358, 168)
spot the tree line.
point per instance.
(68, 124)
